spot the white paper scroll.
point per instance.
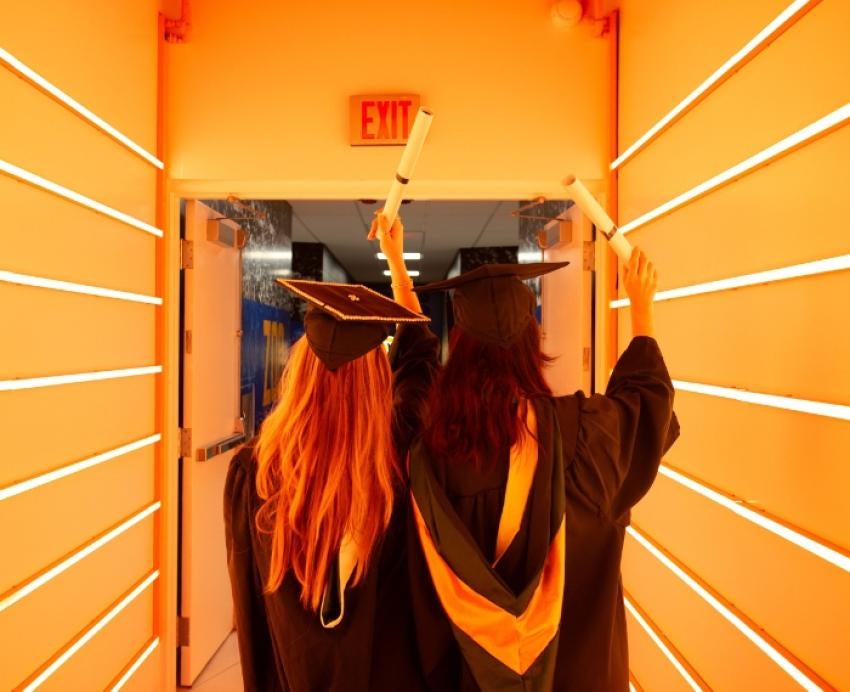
(577, 192)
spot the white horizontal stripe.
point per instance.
(131, 671)
(769, 650)
(80, 642)
(77, 107)
(668, 654)
(822, 551)
(818, 408)
(405, 255)
(18, 594)
(45, 184)
(412, 272)
(822, 266)
(76, 467)
(57, 285)
(761, 37)
(835, 118)
(55, 380)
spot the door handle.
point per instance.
(220, 447)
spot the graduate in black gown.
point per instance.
(520, 500)
(316, 506)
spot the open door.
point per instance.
(211, 429)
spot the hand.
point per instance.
(392, 239)
(640, 280)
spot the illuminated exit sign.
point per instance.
(382, 119)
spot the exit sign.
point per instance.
(382, 119)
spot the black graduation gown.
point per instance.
(610, 449)
(285, 647)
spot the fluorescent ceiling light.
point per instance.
(823, 266)
(56, 285)
(811, 131)
(54, 380)
(818, 408)
(405, 255)
(768, 649)
(45, 184)
(789, 14)
(131, 671)
(412, 272)
(76, 106)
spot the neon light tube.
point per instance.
(405, 255)
(763, 645)
(56, 285)
(412, 272)
(789, 14)
(80, 642)
(45, 184)
(811, 131)
(823, 266)
(77, 107)
(817, 408)
(668, 654)
(834, 557)
(50, 574)
(54, 380)
(50, 476)
(131, 671)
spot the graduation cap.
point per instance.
(491, 302)
(346, 321)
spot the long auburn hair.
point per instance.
(326, 466)
(474, 400)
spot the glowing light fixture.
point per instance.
(136, 665)
(631, 687)
(764, 646)
(668, 654)
(818, 408)
(822, 551)
(76, 106)
(56, 285)
(50, 476)
(45, 184)
(823, 266)
(789, 14)
(412, 272)
(811, 131)
(83, 639)
(54, 380)
(405, 255)
(46, 576)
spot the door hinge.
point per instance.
(187, 341)
(585, 358)
(185, 442)
(588, 260)
(182, 631)
(187, 254)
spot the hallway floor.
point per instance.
(223, 673)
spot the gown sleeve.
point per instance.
(252, 629)
(623, 434)
(414, 358)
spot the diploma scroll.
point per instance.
(577, 192)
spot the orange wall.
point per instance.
(103, 54)
(258, 98)
(788, 338)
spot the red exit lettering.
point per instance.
(384, 120)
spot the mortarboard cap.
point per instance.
(491, 302)
(346, 321)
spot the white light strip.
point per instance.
(412, 272)
(56, 285)
(50, 476)
(668, 654)
(136, 665)
(631, 687)
(834, 557)
(54, 380)
(761, 37)
(76, 106)
(404, 255)
(823, 266)
(818, 408)
(770, 651)
(91, 632)
(45, 184)
(18, 594)
(810, 131)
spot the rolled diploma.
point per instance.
(409, 157)
(577, 192)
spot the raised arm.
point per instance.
(392, 245)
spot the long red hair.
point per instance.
(473, 402)
(326, 467)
